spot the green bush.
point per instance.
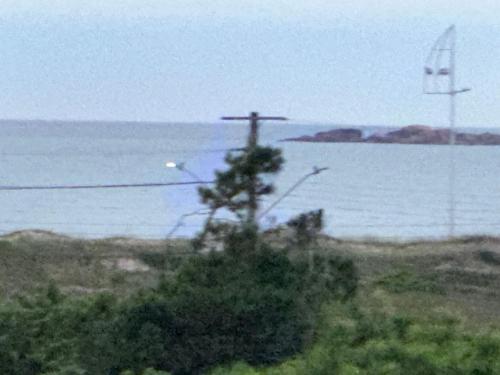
(41, 334)
(239, 309)
(256, 306)
(357, 342)
(219, 308)
(489, 257)
(407, 281)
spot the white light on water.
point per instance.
(170, 164)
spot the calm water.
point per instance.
(370, 190)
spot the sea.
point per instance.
(384, 191)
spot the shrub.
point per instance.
(489, 257)
(219, 308)
(406, 281)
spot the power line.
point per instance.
(110, 186)
(118, 153)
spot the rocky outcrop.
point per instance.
(413, 134)
(336, 135)
(478, 139)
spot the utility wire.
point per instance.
(180, 222)
(289, 191)
(110, 186)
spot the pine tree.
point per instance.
(238, 190)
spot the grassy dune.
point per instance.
(30, 260)
(461, 276)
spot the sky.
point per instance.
(344, 62)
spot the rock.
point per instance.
(475, 139)
(335, 135)
(413, 134)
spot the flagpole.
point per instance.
(452, 176)
(433, 71)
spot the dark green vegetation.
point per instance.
(257, 306)
(359, 343)
(426, 307)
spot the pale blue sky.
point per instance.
(351, 62)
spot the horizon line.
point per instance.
(291, 121)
